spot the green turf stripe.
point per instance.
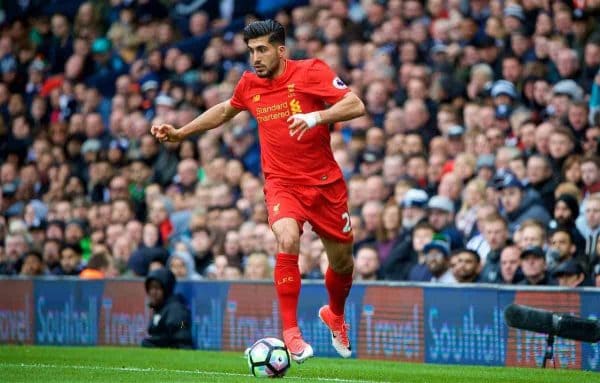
(159, 370)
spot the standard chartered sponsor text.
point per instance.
(272, 112)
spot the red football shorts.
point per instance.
(324, 207)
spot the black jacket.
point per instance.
(398, 264)
(170, 326)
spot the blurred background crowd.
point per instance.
(477, 160)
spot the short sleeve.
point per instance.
(325, 83)
(239, 94)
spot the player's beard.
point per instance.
(268, 73)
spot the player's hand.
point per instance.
(165, 132)
(300, 123)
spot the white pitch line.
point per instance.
(151, 369)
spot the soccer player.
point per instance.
(294, 102)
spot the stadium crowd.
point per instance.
(477, 162)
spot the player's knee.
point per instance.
(288, 243)
(346, 266)
(342, 264)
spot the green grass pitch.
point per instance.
(33, 364)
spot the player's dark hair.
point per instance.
(270, 28)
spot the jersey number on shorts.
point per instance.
(347, 227)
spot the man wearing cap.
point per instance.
(441, 217)
(564, 93)
(533, 264)
(413, 205)
(504, 93)
(514, 17)
(456, 144)
(485, 166)
(519, 204)
(437, 253)
(571, 274)
(107, 66)
(372, 162)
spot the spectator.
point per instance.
(467, 267)
(413, 205)
(408, 253)
(473, 198)
(182, 266)
(562, 248)
(388, 235)
(533, 263)
(510, 263)
(590, 174)
(519, 204)
(33, 264)
(441, 217)
(566, 210)
(496, 234)
(366, 264)
(570, 274)
(539, 175)
(589, 227)
(170, 325)
(437, 265)
(258, 267)
(98, 267)
(531, 233)
(15, 247)
(70, 260)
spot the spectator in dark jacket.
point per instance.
(407, 254)
(566, 211)
(533, 263)
(520, 204)
(570, 274)
(539, 175)
(170, 325)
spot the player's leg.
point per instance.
(331, 220)
(287, 273)
(338, 282)
(287, 284)
(286, 218)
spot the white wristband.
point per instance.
(311, 119)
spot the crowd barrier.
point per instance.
(393, 321)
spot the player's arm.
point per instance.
(347, 108)
(210, 119)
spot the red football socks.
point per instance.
(287, 284)
(338, 286)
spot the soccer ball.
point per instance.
(268, 358)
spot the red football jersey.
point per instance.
(304, 86)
